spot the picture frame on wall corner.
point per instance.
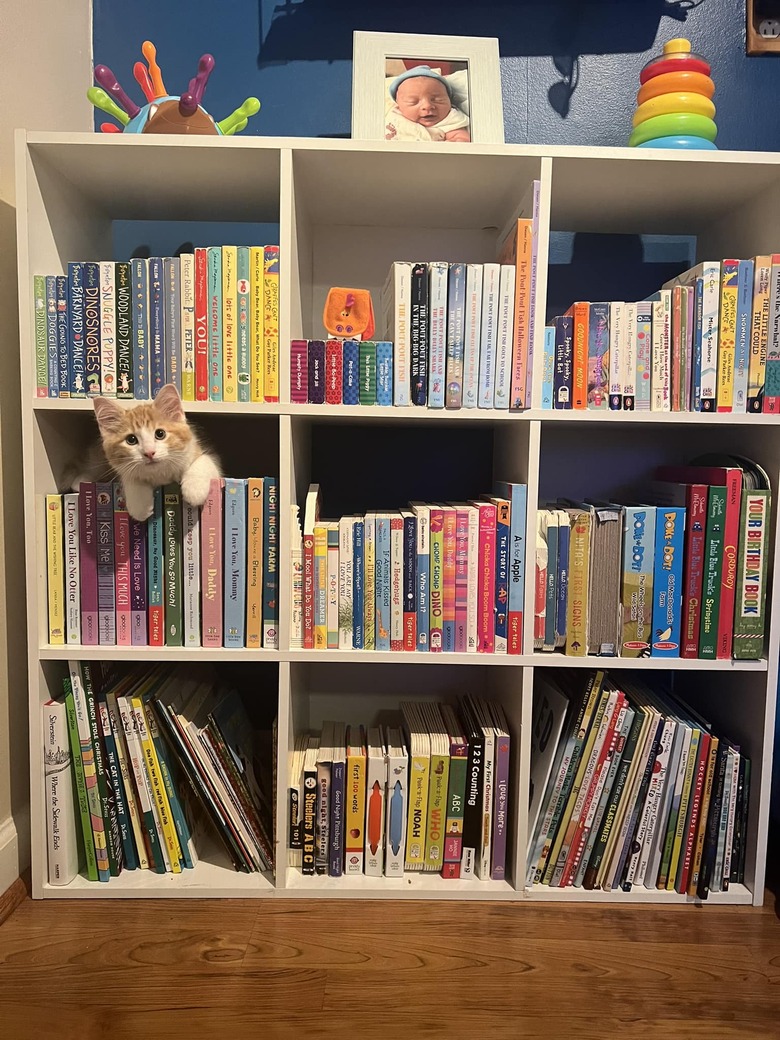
(440, 89)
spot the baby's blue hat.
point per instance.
(419, 70)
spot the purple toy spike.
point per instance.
(188, 106)
(198, 85)
(108, 81)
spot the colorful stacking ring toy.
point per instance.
(675, 108)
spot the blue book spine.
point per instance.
(140, 276)
(242, 325)
(157, 324)
(172, 320)
(564, 539)
(271, 564)
(598, 356)
(350, 358)
(235, 561)
(552, 581)
(548, 367)
(336, 831)
(92, 327)
(518, 498)
(668, 581)
(384, 372)
(438, 273)
(698, 331)
(456, 320)
(78, 379)
(503, 521)
(214, 307)
(742, 345)
(358, 600)
(562, 377)
(423, 577)
(382, 582)
(52, 352)
(63, 360)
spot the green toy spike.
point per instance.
(237, 120)
(100, 99)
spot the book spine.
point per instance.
(332, 595)
(472, 610)
(456, 317)
(72, 573)
(709, 336)
(316, 371)
(409, 582)
(243, 298)
(355, 812)
(727, 335)
(41, 337)
(486, 632)
(333, 371)
(438, 274)
(350, 383)
(124, 330)
(435, 831)
(436, 621)
(500, 807)
(548, 368)
(229, 325)
(456, 796)
(383, 578)
(401, 296)
(139, 269)
(160, 804)
(679, 295)
(114, 781)
(211, 565)
(418, 335)
(696, 510)
(562, 376)
(579, 586)
(156, 324)
(461, 580)
(396, 582)
(661, 384)
(104, 499)
(690, 866)
(637, 582)
(448, 584)
(629, 374)
(190, 568)
(471, 335)
(122, 568)
(142, 783)
(299, 372)
(254, 562)
(214, 319)
(644, 355)
(771, 403)
(89, 762)
(92, 327)
(423, 622)
(686, 799)
(156, 601)
(518, 495)
(187, 325)
(346, 581)
(84, 827)
(759, 333)
(256, 313)
(271, 564)
(63, 352)
(504, 337)
(742, 342)
(367, 391)
(369, 582)
(321, 588)
(138, 619)
(752, 568)
(201, 331)
(713, 569)
(384, 373)
(88, 562)
(63, 849)
(503, 521)
(491, 275)
(616, 359)
(172, 554)
(472, 808)
(107, 330)
(580, 313)
(55, 558)
(271, 323)
(667, 581)
(172, 334)
(524, 275)
(376, 782)
(107, 803)
(336, 833)
(599, 357)
(235, 561)
(396, 807)
(358, 587)
(417, 821)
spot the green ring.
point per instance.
(673, 123)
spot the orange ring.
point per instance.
(674, 82)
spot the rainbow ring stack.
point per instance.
(675, 108)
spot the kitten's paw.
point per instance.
(140, 502)
(195, 488)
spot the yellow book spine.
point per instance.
(321, 588)
(254, 562)
(271, 323)
(419, 768)
(679, 833)
(437, 811)
(577, 607)
(256, 342)
(356, 814)
(56, 566)
(727, 334)
(229, 324)
(152, 764)
(759, 331)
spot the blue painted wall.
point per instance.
(569, 69)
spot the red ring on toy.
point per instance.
(687, 64)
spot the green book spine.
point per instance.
(367, 370)
(110, 820)
(41, 341)
(172, 555)
(752, 563)
(124, 330)
(713, 567)
(87, 838)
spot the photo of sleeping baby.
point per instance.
(426, 100)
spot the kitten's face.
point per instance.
(151, 442)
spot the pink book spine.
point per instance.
(299, 371)
(436, 584)
(461, 580)
(396, 583)
(88, 544)
(486, 588)
(122, 568)
(211, 565)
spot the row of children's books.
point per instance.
(708, 341)
(685, 577)
(187, 576)
(429, 794)
(117, 745)
(432, 577)
(207, 321)
(633, 788)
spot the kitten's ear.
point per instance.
(168, 404)
(110, 415)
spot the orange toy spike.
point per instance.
(141, 74)
(149, 51)
(110, 128)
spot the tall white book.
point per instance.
(63, 848)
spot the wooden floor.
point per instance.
(248, 969)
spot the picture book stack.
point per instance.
(633, 788)
(129, 738)
(455, 335)
(708, 341)
(434, 577)
(682, 576)
(427, 794)
(207, 321)
(187, 576)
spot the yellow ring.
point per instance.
(666, 104)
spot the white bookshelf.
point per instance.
(345, 210)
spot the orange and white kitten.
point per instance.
(149, 445)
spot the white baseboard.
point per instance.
(14, 849)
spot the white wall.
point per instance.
(44, 75)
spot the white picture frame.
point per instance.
(374, 53)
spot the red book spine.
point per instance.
(201, 327)
(122, 569)
(728, 583)
(308, 592)
(693, 573)
(698, 788)
(486, 589)
(299, 371)
(333, 371)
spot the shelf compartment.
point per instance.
(411, 886)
